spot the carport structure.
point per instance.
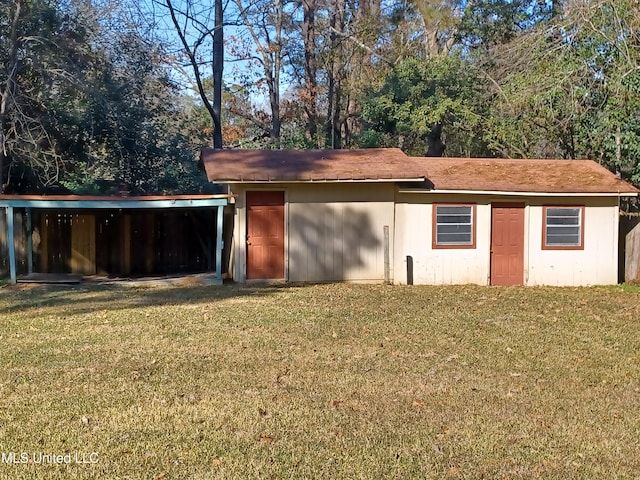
(141, 216)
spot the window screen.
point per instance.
(454, 225)
(563, 227)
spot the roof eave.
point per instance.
(89, 202)
(519, 194)
(319, 180)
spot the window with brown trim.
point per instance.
(563, 228)
(454, 226)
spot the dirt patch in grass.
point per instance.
(325, 381)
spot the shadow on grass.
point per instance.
(87, 298)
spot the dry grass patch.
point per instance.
(327, 381)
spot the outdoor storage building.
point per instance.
(379, 215)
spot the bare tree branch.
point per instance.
(191, 50)
(360, 44)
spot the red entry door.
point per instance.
(507, 244)
(265, 235)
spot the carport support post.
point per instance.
(12, 246)
(29, 241)
(219, 242)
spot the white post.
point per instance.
(12, 246)
(387, 275)
(219, 242)
(29, 241)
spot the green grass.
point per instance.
(325, 381)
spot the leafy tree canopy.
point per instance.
(89, 98)
(418, 94)
(87, 104)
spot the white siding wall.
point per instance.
(597, 264)
(334, 231)
(414, 216)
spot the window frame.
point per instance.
(545, 208)
(434, 227)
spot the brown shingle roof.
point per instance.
(308, 165)
(391, 164)
(514, 175)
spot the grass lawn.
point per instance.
(326, 381)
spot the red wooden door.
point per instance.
(265, 235)
(507, 244)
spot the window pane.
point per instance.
(563, 231)
(466, 229)
(563, 240)
(454, 219)
(454, 225)
(563, 220)
(454, 239)
(563, 212)
(453, 210)
(563, 227)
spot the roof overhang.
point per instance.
(518, 194)
(321, 181)
(117, 203)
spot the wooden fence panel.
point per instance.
(125, 240)
(83, 244)
(20, 232)
(142, 242)
(170, 229)
(55, 242)
(108, 243)
(630, 232)
(184, 241)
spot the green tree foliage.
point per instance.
(486, 23)
(42, 52)
(90, 101)
(419, 94)
(522, 79)
(607, 39)
(445, 47)
(570, 88)
(132, 130)
(87, 103)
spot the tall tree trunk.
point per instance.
(268, 40)
(274, 86)
(218, 66)
(310, 69)
(274, 101)
(351, 126)
(333, 130)
(329, 132)
(3, 138)
(436, 145)
(215, 108)
(334, 92)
